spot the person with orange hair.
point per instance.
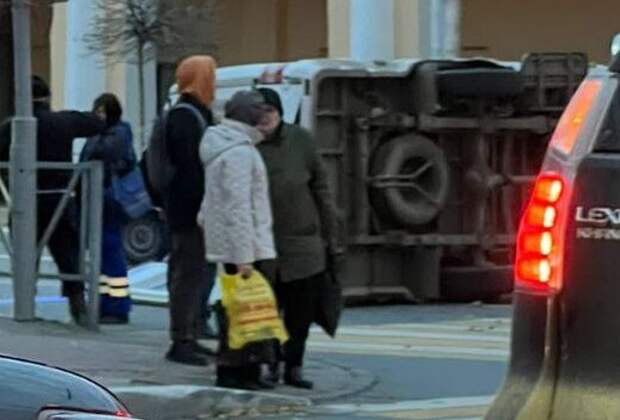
(188, 271)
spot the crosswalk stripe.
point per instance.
(456, 340)
(367, 332)
(437, 408)
(407, 350)
(461, 327)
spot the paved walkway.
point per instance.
(129, 359)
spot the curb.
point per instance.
(168, 402)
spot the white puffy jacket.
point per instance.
(235, 212)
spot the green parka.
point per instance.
(304, 212)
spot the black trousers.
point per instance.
(299, 301)
(188, 277)
(204, 311)
(64, 242)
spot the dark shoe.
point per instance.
(77, 308)
(200, 349)
(294, 378)
(265, 384)
(183, 352)
(237, 384)
(273, 375)
(114, 320)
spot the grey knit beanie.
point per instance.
(247, 107)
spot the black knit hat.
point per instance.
(246, 106)
(272, 98)
(111, 106)
(40, 89)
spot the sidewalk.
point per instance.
(129, 360)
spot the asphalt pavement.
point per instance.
(389, 361)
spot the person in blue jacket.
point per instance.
(115, 149)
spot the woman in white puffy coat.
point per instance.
(236, 219)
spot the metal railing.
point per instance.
(89, 177)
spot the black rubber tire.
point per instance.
(145, 239)
(403, 156)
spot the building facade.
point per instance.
(249, 31)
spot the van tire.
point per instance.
(145, 239)
(417, 205)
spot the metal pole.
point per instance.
(22, 171)
(95, 216)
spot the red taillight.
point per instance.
(539, 245)
(575, 115)
(540, 215)
(548, 189)
(534, 270)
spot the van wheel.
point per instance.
(145, 239)
(410, 180)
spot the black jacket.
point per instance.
(183, 136)
(55, 134)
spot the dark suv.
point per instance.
(565, 347)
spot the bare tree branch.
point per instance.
(129, 31)
(121, 27)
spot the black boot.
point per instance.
(273, 373)
(293, 377)
(255, 375)
(77, 308)
(183, 352)
(114, 319)
(235, 378)
(265, 384)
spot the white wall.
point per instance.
(372, 30)
(58, 57)
(78, 76)
(84, 71)
(401, 24)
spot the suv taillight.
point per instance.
(540, 241)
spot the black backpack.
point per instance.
(159, 168)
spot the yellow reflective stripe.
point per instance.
(103, 280)
(118, 281)
(104, 290)
(119, 293)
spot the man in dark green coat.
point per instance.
(305, 229)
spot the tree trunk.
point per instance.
(142, 105)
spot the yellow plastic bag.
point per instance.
(251, 310)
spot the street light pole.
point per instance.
(22, 170)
